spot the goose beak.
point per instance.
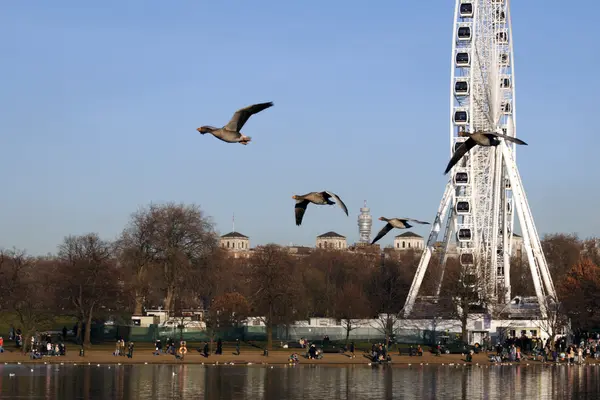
(294, 197)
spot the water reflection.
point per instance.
(299, 382)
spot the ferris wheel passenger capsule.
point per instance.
(463, 33)
(463, 59)
(464, 235)
(461, 178)
(466, 10)
(467, 259)
(502, 37)
(500, 16)
(461, 87)
(463, 207)
(461, 117)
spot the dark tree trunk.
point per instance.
(87, 342)
(348, 329)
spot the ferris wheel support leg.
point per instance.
(498, 203)
(528, 231)
(426, 256)
(451, 226)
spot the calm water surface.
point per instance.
(298, 382)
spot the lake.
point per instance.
(298, 382)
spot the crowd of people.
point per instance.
(518, 349)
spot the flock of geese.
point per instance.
(231, 133)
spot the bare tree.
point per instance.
(89, 277)
(467, 288)
(273, 279)
(561, 252)
(137, 254)
(181, 236)
(228, 310)
(521, 282)
(351, 306)
(28, 292)
(388, 290)
(579, 293)
(555, 321)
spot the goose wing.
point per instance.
(338, 201)
(415, 221)
(243, 114)
(509, 138)
(299, 210)
(459, 153)
(388, 227)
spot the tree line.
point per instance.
(168, 255)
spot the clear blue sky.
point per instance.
(100, 102)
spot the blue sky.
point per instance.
(100, 102)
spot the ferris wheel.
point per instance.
(484, 189)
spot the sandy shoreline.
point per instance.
(246, 357)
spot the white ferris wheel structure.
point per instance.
(484, 189)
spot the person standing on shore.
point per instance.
(352, 349)
(130, 353)
(237, 346)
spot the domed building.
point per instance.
(235, 242)
(332, 240)
(408, 241)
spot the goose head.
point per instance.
(206, 129)
(383, 219)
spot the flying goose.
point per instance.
(478, 138)
(400, 223)
(230, 133)
(319, 198)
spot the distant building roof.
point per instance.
(300, 249)
(409, 235)
(234, 235)
(331, 234)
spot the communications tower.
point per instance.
(484, 188)
(365, 221)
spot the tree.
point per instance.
(350, 306)
(89, 278)
(136, 254)
(579, 292)
(181, 235)
(214, 275)
(28, 292)
(274, 283)
(591, 250)
(561, 252)
(556, 319)
(388, 290)
(521, 282)
(324, 274)
(466, 289)
(228, 310)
